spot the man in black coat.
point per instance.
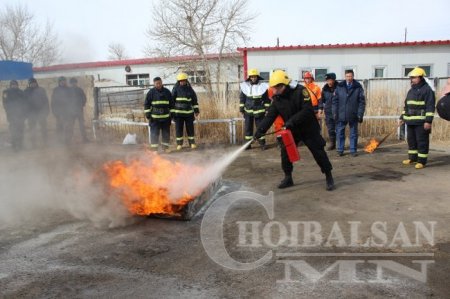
(38, 112)
(327, 100)
(293, 103)
(64, 110)
(16, 108)
(79, 98)
(157, 107)
(349, 104)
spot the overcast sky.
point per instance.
(87, 27)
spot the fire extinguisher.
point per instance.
(288, 141)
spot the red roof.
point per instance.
(99, 64)
(339, 46)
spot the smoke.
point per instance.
(35, 188)
(210, 172)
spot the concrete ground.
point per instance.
(57, 241)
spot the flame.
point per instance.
(152, 184)
(372, 145)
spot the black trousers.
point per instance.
(157, 128)
(249, 126)
(331, 125)
(16, 128)
(64, 129)
(315, 143)
(33, 123)
(418, 143)
(180, 122)
(80, 118)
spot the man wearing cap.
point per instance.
(293, 103)
(16, 108)
(327, 101)
(418, 115)
(253, 103)
(315, 94)
(79, 98)
(38, 111)
(64, 111)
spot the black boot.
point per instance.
(286, 182)
(332, 145)
(329, 180)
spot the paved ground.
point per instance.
(55, 241)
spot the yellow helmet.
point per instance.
(182, 76)
(252, 72)
(417, 72)
(279, 77)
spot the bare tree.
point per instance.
(200, 27)
(22, 38)
(116, 51)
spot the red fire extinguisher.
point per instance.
(290, 145)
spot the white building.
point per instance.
(369, 60)
(136, 72)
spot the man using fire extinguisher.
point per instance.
(253, 102)
(418, 115)
(293, 103)
(158, 104)
(185, 110)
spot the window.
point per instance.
(379, 72)
(448, 69)
(408, 68)
(265, 75)
(196, 77)
(138, 79)
(318, 73)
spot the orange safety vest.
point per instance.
(315, 93)
(279, 122)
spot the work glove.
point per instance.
(148, 115)
(257, 135)
(360, 119)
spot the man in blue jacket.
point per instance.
(349, 105)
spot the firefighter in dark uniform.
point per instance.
(327, 100)
(16, 108)
(293, 103)
(253, 104)
(39, 110)
(157, 107)
(185, 110)
(418, 116)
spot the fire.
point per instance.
(152, 184)
(372, 145)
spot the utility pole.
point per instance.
(278, 41)
(406, 33)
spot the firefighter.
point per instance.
(38, 112)
(185, 110)
(157, 107)
(16, 108)
(418, 116)
(315, 94)
(253, 102)
(293, 103)
(79, 98)
(64, 111)
(327, 100)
